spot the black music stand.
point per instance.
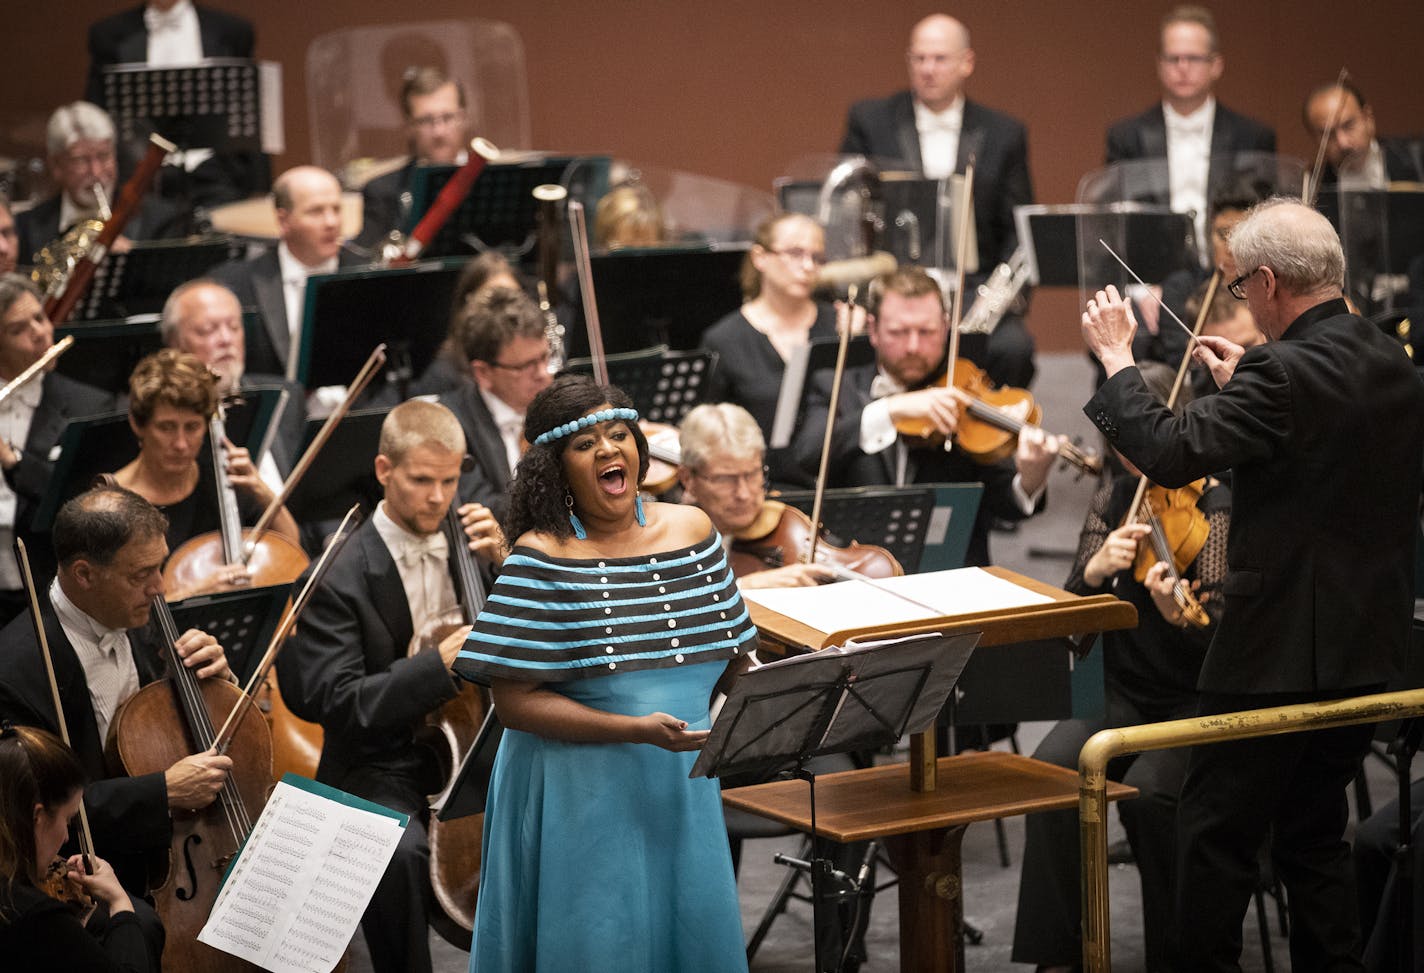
(343, 472)
(664, 385)
(87, 448)
(242, 621)
(895, 518)
(1063, 248)
(139, 281)
(660, 296)
(470, 791)
(216, 104)
(350, 312)
(817, 355)
(500, 212)
(781, 715)
(104, 353)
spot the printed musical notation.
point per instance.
(293, 898)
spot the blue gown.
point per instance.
(608, 856)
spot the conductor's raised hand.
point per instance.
(670, 733)
(1219, 356)
(1108, 326)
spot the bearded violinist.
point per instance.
(1322, 428)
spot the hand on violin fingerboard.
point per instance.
(1118, 553)
(1034, 456)
(1160, 585)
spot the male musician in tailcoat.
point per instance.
(31, 421)
(347, 667)
(934, 131)
(1189, 129)
(167, 33)
(1322, 428)
(1355, 157)
(308, 202)
(909, 330)
(438, 130)
(110, 547)
(79, 140)
(502, 337)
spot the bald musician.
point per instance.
(347, 667)
(308, 204)
(1322, 428)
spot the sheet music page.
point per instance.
(856, 604)
(296, 893)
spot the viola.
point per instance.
(1178, 532)
(161, 724)
(781, 535)
(989, 425)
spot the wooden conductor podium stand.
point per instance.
(922, 809)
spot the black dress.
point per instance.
(38, 932)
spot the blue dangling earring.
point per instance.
(638, 511)
(577, 524)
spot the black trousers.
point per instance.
(1048, 929)
(1235, 794)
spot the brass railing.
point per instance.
(1107, 744)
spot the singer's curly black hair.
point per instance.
(537, 501)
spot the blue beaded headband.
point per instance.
(593, 419)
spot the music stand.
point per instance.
(1382, 232)
(664, 385)
(500, 211)
(242, 621)
(780, 716)
(87, 448)
(470, 791)
(343, 472)
(951, 525)
(1063, 248)
(105, 353)
(660, 296)
(895, 518)
(350, 312)
(216, 104)
(817, 355)
(139, 281)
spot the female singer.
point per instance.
(754, 342)
(171, 397)
(603, 639)
(41, 784)
(1150, 675)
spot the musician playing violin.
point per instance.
(171, 397)
(110, 546)
(347, 667)
(909, 330)
(1150, 674)
(723, 471)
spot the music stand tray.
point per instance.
(664, 385)
(242, 621)
(139, 281)
(350, 312)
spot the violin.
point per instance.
(59, 885)
(989, 425)
(781, 535)
(1178, 532)
(161, 724)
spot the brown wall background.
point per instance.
(737, 89)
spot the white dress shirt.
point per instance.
(1189, 161)
(424, 567)
(17, 413)
(939, 138)
(510, 425)
(1371, 173)
(294, 293)
(175, 39)
(105, 655)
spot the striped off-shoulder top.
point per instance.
(551, 619)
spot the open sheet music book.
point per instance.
(295, 893)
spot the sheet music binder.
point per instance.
(664, 385)
(215, 104)
(832, 701)
(139, 281)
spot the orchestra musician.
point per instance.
(723, 471)
(591, 778)
(1322, 428)
(79, 140)
(110, 547)
(204, 319)
(41, 786)
(1150, 674)
(1189, 128)
(172, 396)
(1355, 157)
(778, 316)
(31, 421)
(9, 239)
(910, 331)
(347, 667)
(506, 351)
(437, 127)
(451, 369)
(934, 131)
(308, 203)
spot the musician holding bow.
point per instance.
(1322, 428)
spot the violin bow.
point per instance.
(285, 628)
(22, 558)
(820, 495)
(1312, 187)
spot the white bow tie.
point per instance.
(111, 642)
(433, 546)
(1182, 127)
(883, 385)
(158, 20)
